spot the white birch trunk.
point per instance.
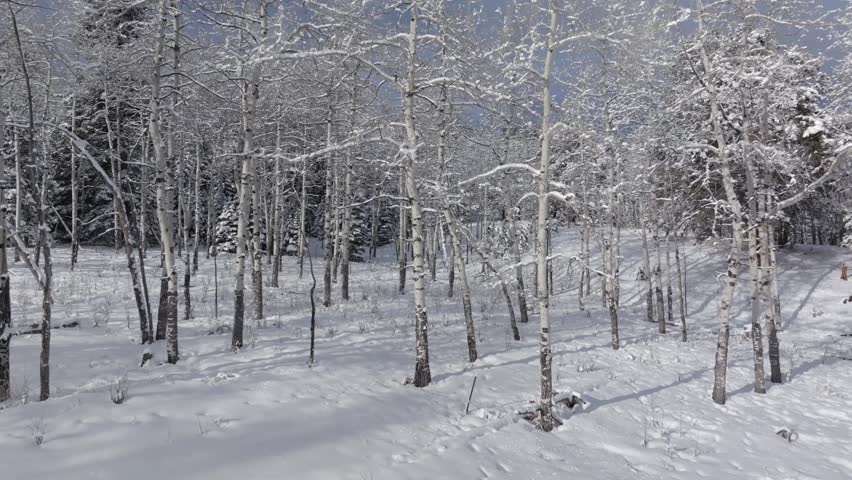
(197, 233)
(248, 194)
(422, 372)
(542, 289)
(681, 293)
(165, 185)
(647, 276)
(658, 284)
(756, 258)
(766, 285)
(328, 217)
(730, 283)
(303, 209)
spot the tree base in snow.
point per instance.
(146, 357)
(566, 403)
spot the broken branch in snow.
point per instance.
(37, 328)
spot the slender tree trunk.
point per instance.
(163, 305)
(588, 255)
(610, 246)
(313, 308)
(346, 229)
(375, 207)
(771, 311)
(242, 227)
(756, 330)
(187, 262)
(550, 282)
(681, 294)
(583, 261)
(303, 208)
(143, 200)
(345, 234)
(451, 278)
(433, 251)
(197, 234)
(75, 229)
(402, 251)
(167, 316)
(18, 190)
(277, 220)
(669, 283)
(44, 365)
(730, 283)
(170, 197)
(516, 335)
(257, 264)
(336, 224)
(658, 286)
(773, 268)
(422, 372)
(113, 165)
(44, 235)
(268, 213)
(756, 259)
(5, 281)
(647, 275)
(455, 235)
(148, 322)
(513, 324)
(545, 358)
(251, 94)
(116, 173)
(329, 214)
(604, 255)
(519, 269)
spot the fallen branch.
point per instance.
(469, 397)
(36, 328)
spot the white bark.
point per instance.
(197, 234)
(730, 282)
(422, 373)
(542, 289)
(165, 187)
(251, 92)
(328, 214)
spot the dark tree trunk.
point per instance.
(451, 279)
(239, 312)
(187, 298)
(44, 370)
(681, 293)
(162, 310)
(5, 317)
(172, 328)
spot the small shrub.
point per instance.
(586, 365)
(118, 390)
(102, 312)
(38, 430)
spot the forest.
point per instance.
(384, 201)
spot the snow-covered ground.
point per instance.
(263, 413)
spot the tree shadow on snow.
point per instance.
(807, 297)
(595, 403)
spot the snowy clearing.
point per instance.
(262, 413)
